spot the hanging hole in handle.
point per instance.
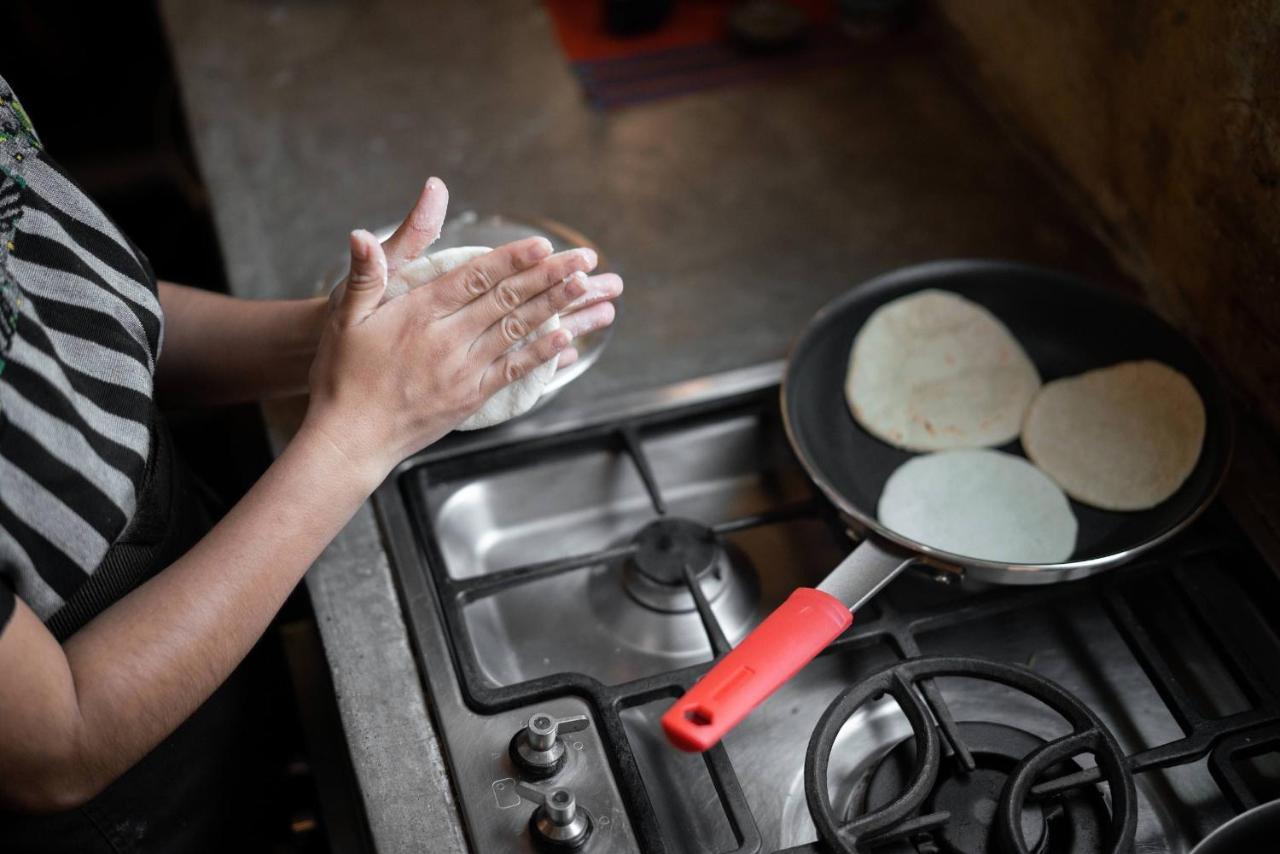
(698, 716)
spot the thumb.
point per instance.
(367, 280)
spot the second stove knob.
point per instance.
(558, 823)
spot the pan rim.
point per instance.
(996, 572)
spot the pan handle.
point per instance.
(774, 651)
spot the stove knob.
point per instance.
(538, 750)
(558, 824)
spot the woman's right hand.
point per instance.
(390, 378)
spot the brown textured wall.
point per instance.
(1167, 116)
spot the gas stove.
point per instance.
(565, 580)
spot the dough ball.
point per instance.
(433, 266)
(516, 398)
(932, 371)
(1118, 438)
(980, 504)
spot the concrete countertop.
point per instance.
(732, 214)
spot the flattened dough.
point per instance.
(932, 371)
(981, 504)
(1119, 438)
(517, 398)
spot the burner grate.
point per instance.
(896, 818)
(1224, 740)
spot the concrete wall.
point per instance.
(1167, 116)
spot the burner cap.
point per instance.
(989, 807)
(972, 798)
(666, 546)
(645, 600)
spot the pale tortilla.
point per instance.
(980, 504)
(518, 397)
(1119, 438)
(932, 371)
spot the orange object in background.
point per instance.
(580, 26)
(691, 50)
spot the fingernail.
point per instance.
(575, 284)
(588, 255)
(541, 248)
(606, 291)
(359, 248)
(561, 340)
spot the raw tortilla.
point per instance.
(932, 371)
(980, 504)
(1119, 438)
(516, 398)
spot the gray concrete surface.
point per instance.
(732, 214)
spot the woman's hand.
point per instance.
(590, 312)
(224, 350)
(391, 377)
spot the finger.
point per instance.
(458, 288)
(529, 317)
(517, 363)
(366, 282)
(514, 291)
(605, 286)
(588, 319)
(567, 357)
(421, 227)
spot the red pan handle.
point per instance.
(772, 653)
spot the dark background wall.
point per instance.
(96, 80)
(1167, 116)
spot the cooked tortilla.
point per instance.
(518, 397)
(932, 371)
(1119, 438)
(980, 504)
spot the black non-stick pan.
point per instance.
(1067, 327)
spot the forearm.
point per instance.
(218, 349)
(142, 666)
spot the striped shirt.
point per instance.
(80, 331)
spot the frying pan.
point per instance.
(1067, 327)
(1253, 830)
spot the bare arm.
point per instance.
(76, 716)
(219, 349)
(387, 379)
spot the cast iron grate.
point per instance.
(1187, 564)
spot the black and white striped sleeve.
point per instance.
(80, 332)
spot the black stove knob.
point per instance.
(538, 750)
(558, 823)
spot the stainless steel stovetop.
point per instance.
(564, 583)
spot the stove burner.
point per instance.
(655, 574)
(646, 601)
(915, 791)
(666, 546)
(971, 798)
